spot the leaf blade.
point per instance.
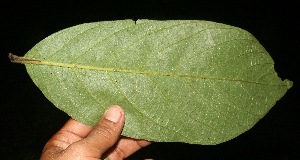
(214, 79)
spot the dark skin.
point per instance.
(79, 141)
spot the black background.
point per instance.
(28, 119)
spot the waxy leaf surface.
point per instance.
(186, 81)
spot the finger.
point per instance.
(104, 135)
(80, 129)
(127, 146)
(71, 132)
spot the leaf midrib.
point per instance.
(78, 66)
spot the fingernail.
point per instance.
(114, 114)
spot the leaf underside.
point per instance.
(189, 81)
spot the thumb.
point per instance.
(105, 134)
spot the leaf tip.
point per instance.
(288, 83)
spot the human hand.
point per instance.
(79, 141)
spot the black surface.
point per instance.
(28, 119)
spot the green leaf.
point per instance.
(187, 81)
